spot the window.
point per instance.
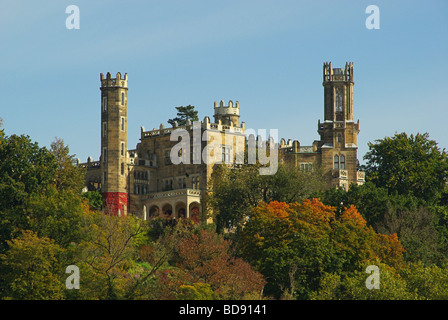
(122, 149)
(225, 155)
(339, 162)
(104, 155)
(339, 137)
(195, 182)
(181, 182)
(122, 98)
(122, 168)
(336, 162)
(342, 163)
(122, 123)
(339, 100)
(104, 177)
(167, 158)
(104, 129)
(168, 185)
(104, 104)
(306, 167)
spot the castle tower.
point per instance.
(338, 132)
(114, 143)
(229, 115)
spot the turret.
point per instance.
(229, 115)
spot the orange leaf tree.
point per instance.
(292, 245)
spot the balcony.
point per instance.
(360, 176)
(340, 174)
(175, 193)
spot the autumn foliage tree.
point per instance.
(292, 245)
(206, 257)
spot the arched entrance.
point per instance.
(154, 211)
(167, 211)
(195, 210)
(181, 211)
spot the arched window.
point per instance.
(122, 168)
(336, 162)
(342, 162)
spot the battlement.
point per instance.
(338, 74)
(230, 109)
(118, 81)
(204, 125)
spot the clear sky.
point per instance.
(267, 55)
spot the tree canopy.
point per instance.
(184, 113)
(408, 165)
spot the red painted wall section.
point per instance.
(114, 201)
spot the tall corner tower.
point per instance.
(229, 115)
(339, 133)
(114, 143)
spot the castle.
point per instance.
(145, 182)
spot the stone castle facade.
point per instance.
(144, 181)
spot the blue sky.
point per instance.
(267, 55)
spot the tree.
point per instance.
(94, 199)
(184, 114)
(352, 286)
(420, 227)
(106, 255)
(237, 191)
(206, 257)
(408, 165)
(32, 268)
(419, 232)
(68, 177)
(25, 169)
(293, 245)
(57, 214)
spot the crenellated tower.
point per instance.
(114, 143)
(229, 115)
(339, 133)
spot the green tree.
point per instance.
(420, 227)
(184, 114)
(25, 169)
(352, 286)
(237, 191)
(68, 176)
(58, 215)
(429, 282)
(197, 291)
(419, 232)
(32, 268)
(106, 255)
(408, 165)
(94, 199)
